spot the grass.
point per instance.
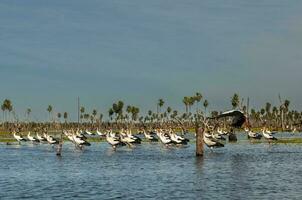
(289, 141)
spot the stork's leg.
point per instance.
(130, 145)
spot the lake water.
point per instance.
(238, 171)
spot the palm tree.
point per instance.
(49, 110)
(101, 117)
(129, 109)
(91, 119)
(7, 106)
(169, 109)
(81, 117)
(235, 101)
(110, 112)
(65, 115)
(86, 116)
(205, 105)
(28, 111)
(160, 104)
(262, 112)
(191, 102)
(174, 114)
(3, 110)
(135, 111)
(286, 106)
(117, 108)
(198, 97)
(59, 115)
(268, 107)
(186, 102)
(82, 111)
(94, 113)
(268, 110)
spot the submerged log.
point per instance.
(199, 141)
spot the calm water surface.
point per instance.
(242, 170)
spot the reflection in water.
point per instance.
(199, 163)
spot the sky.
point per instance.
(138, 51)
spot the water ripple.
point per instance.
(150, 171)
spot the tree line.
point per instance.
(274, 116)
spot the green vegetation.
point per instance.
(274, 117)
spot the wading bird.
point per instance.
(31, 138)
(19, 138)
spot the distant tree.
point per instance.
(59, 115)
(28, 111)
(101, 117)
(160, 104)
(286, 104)
(49, 110)
(94, 113)
(268, 108)
(129, 109)
(198, 97)
(82, 111)
(191, 102)
(110, 112)
(205, 105)
(169, 109)
(235, 101)
(3, 110)
(7, 106)
(65, 115)
(86, 116)
(214, 113)
(186, 102)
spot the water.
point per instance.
(151, 171)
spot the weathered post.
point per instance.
(199, 141)
(232, 136)
(60, 146)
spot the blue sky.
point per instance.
(141, 50)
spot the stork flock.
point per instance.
(44, 138)
(123, 137)
(213, 136)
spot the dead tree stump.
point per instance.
(199, 141)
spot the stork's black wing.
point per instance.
(238, 117)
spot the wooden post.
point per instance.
(199, 141)
(60, 145)
(232, 136)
